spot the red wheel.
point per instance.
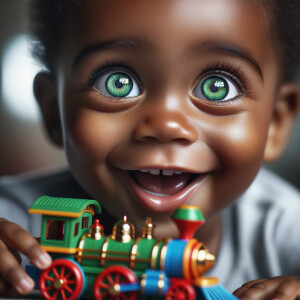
(106, 284)
(181, 290)
(64, 279)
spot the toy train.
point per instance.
(89, 264)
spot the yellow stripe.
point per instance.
(54, 213)
(206, 281)
(60, 249)
(188, 206)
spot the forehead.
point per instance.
(171, 24)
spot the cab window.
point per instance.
(55, 230)
(76, 228)
(85, 222)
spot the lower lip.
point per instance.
(163, 204)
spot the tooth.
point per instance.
(144, 170)
(154, 171)
(167, 172)
(178, 172)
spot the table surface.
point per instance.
(35, 295)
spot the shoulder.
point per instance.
(18, 192)
(263, 228)
(57, 182)
(269, 215)
(270, 202)
(271, 191)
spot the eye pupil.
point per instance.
(213, 88)
(118, 84)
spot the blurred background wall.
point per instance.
(23, 143)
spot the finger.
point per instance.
(7, 290)
(11, 293)
(16, 254)
(240, 291)
(3, 286)
(13, 273)
(259, 290)
(16, 237)
(288, 289)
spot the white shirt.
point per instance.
(261, 233)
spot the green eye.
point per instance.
(216, 88)
(118, 85)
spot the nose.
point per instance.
(165, 127)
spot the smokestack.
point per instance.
(188, 219)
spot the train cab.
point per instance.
(64, 221)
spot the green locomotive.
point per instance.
(88, 263)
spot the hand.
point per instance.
(275, 288)
(14, 239)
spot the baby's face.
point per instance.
(166, 102)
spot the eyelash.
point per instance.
(231, 72)
(102, 69)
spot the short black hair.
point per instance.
(48, 17)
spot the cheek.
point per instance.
(90, 138)
(94, 134)
(240, 141)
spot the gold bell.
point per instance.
(123, 231)
(96, 230)
(148, 229)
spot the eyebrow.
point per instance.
(230, 49)
(137, 44)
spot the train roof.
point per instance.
(65, 207)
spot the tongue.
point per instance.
(162, 184)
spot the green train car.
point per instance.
(89, 264)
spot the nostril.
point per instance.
(165, 131)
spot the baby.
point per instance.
(162, 103)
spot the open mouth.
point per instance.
(163, 190)
(162, 182)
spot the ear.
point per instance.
(283, 118)
(46, 95)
